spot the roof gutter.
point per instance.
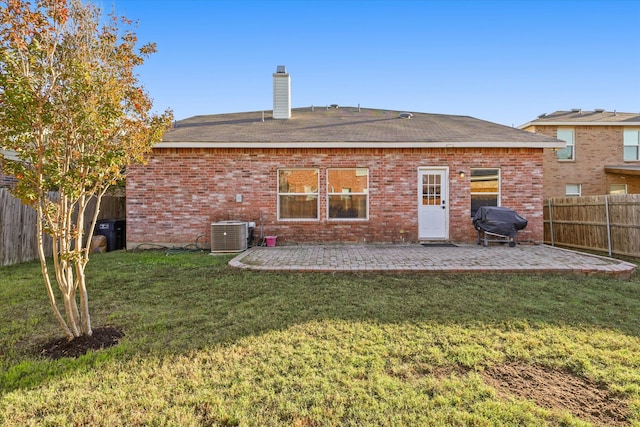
(359, 144)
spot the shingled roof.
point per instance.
(577, 117)
(347, 127)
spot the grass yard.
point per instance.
(206, 345)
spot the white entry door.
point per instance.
(433, 204)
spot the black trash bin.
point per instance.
(115, 232)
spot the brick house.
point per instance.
(334, 174)
(602, 155)
(7, 181)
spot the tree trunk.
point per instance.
(71, 310)
(45, 275)
(84, 303)
(83, 249)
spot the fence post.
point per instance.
(551, 223)
(606, 207)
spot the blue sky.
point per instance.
(502, 61)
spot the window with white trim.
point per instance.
(631, 144)
(568, 152)
(298, 194)
(618, 189)
(485, 188)
(348, 193)
(573, 190)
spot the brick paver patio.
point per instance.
(464, 258)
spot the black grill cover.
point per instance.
(498, 220)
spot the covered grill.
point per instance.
(497, 224)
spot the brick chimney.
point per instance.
(281, 94)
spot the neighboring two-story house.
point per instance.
(602, 153)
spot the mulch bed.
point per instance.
(102, 337)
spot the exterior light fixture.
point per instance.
(461, 174)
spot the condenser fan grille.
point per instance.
(229, 236)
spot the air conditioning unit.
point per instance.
(229, 236)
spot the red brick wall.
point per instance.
(595, 147)
(175, 197)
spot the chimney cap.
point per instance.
(281, 69)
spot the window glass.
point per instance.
(573, 190)
(431, 189)
(348, 193)
(298, 194)
(485, 188)
(630, 153)
(631, 144)
(618, 189)
(567, 136)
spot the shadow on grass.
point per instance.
(182, 303)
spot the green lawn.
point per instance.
(208, 345)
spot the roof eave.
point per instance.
(623, 169)
(570, 123)
(359, 144)
(9, 155)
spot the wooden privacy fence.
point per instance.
(18, 232)
(608, 223)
